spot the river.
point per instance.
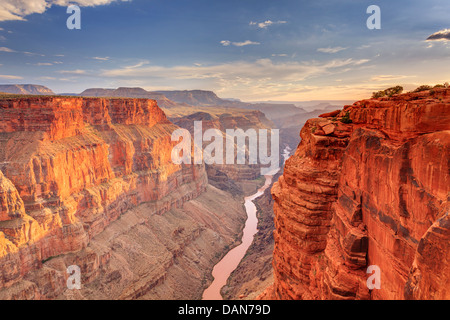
(226, 266)
(223, 269)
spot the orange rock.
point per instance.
(374, 192)
(69, 168)
(330, 114)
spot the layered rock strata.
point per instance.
(371, 192)
(70, 167)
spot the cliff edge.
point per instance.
(368, 185)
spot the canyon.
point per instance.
(368, 185)
(90, 182)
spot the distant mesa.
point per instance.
(124, 92)
(31, 89)
(195, 97)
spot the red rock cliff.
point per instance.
(371, 192)
(69, 167)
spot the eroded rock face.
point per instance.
(69, 167)
(371, 192)
(239, 119)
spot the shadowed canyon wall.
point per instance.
(371, 192)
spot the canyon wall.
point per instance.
(223, 175)
(69, 169)
(370, 191)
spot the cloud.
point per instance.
(279, 55)
(101, 58)
(47, 78)
(9, 77)
(33, 54)
(265, 24)
(19, 9)
(331, 50)
(388, 77)
(244, 79)
(227, 43)
(44, 64)
(245, 43)
(4, 49)
(76, 72)
(442, 35)
(262, 68)
(138, 65)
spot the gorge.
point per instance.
(90, 182)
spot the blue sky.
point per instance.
(253, 50)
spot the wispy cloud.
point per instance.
(9, 77)
(442, 35)
(265, 24)
(388, 77)
(262, 68)
(138, 65)
(33, 54)
(227, 43)
(245, 43)
(5, 49)
(245, 79)
(101, 58)
(47, 78)
(331, 50)
(40, 64)
(75, 72)
(19, 9)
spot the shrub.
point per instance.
(394, 90)
(378, 94)
(423, 88)
(346, 118)
(388, 92)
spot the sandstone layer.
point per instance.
(70, 167)
(371, 192)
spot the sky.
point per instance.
(279, 50)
